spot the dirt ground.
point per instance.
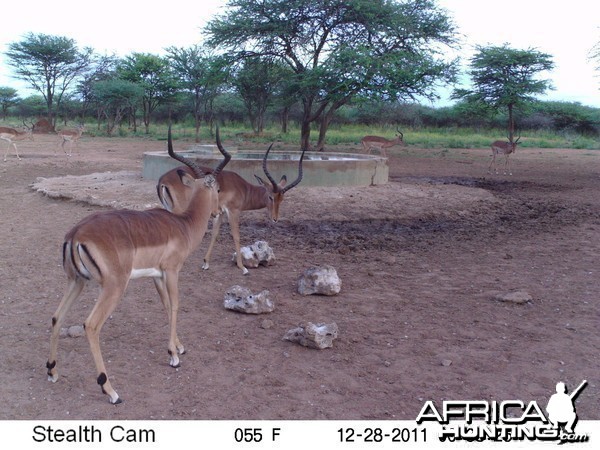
(422, 261)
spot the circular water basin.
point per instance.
(319, 169)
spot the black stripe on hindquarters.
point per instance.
(89, 256)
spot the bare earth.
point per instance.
(421, 259)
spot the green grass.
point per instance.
(352, 134)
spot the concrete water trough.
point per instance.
(319, 169)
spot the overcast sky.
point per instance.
(567, 31)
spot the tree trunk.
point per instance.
(305, 135)
(305, 125)
(197, 115)
(285, 115)
(325, 121)
(511, 123)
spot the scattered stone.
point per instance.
(517, 297)
(317, 336)
(74, 331)
(267, 324)
(257, 254)
(241, 299)
(322, 280)
(446, 362)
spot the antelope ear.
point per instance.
(185, 177)
(283, 181)
(260, 180)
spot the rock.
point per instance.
(518, 297)
(319, 280)
(267, 324)
(317, 336)
(446, 362)
(257, 254)
(241, 299)
(74, 331)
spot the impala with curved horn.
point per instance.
(503, 148)
(380, 143)
(114, 247)
(235, 195)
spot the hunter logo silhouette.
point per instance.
(561, 407)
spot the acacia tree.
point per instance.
(201, 73)
(153, 74)
(594, 55)
(115, 98)
(504, 77)
(49, 64)
(102, 69)
(257, 81)
(337, 49)
(8, 97)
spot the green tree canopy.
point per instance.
(153, 74)
(201, 73)
(49, 64)
(8, 97)
(114, 99)
(337, 49)
(257, 81)
(504, 77)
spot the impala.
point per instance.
(113, 247)
(504, 148)
(72, 136)
(11, 135)
(381, 143)
(235, 195)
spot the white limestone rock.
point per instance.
(322, 280)
(241, 299)
(257, 254)
(319, 336)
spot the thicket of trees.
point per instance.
(314, 63)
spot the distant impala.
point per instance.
(72, 136)
(11, 135)
(503, 148)
(381, 143)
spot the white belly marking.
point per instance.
(141, 273)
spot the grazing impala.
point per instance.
(381, 143)
(503, 148)
(113, 247)
(72, 136)
(11, 135)
(236, 195)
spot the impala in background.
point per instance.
(71, 136)
(11, 135)
(503, 148)
(113, 247)
(235, 195)
(380, 143)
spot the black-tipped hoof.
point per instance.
(116, 402)
(176, 366)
